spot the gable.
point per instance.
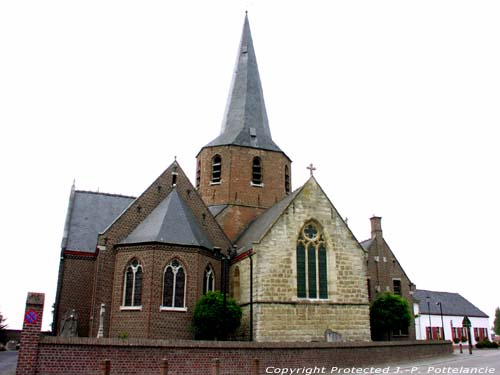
(139, 216)
(313, 203)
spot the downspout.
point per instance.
(251, 294)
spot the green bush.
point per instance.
(456, 340)
(388, 312)
(487, 344)
(213, 321)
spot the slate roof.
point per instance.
(217, 209)
(245, 120)
(452, 304)
(259, 227)
(173, 222)
(89, 213)
(366, 243)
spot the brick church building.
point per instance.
(136, 266)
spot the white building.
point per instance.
(437, 310)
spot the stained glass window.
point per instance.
(312, 272)
(132, 294)
(174, 285)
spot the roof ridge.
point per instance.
(107, 194)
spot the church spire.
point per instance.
(245, 119)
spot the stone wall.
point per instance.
(279, 314)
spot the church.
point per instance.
(136, 266)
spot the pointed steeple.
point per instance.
(245, 119)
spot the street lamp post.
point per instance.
(442, 321)
(429, 310)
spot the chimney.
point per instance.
(376, 226)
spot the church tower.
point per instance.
(242, 171)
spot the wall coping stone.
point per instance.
(90, 341)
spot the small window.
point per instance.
(287, 180)
(132, 293)
(174, 285)
(257, 171)
(198, 174)
(396, 286)
(208, 280)
(216, 169)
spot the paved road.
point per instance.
(8, 362)
(481, 362)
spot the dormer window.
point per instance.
(256, 171)
(216, 169)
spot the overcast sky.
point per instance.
(396, 103)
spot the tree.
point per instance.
(389, 312)
(3, 325)
(496, 323)
(212, 320)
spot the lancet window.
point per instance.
(132, 290)
(208, 280)
(174, 285)
(312, 279)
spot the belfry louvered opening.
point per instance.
(257, 171)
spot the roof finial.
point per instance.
(311, 168)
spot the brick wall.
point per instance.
(383, 268)
(76, 289)
(236, 188)
(149, 321)
(128, 221)
(30, 335)
(83, 355)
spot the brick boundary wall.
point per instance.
(44, 355)
(58, 355)
(30, 335)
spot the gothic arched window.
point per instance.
(132, 289)
(311, 263)
(174, 285)
(257, 171)
(216, 169)
(208, 279)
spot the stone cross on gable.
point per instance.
(311, 168)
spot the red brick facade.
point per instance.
(150, 321)
(108, 284)
(236, 189)
(77, 275)
(385, 274)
